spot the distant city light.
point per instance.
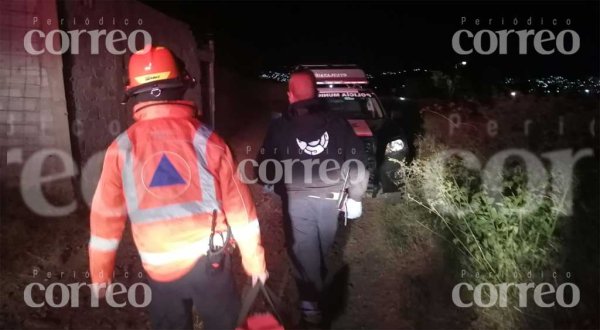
(542, 85)
(273, 75)
(463, 63)
(330, 86)
(402, 98)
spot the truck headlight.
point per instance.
(394, 146)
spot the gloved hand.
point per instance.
(260, 277)
(353, 209)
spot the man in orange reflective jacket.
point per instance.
(177, 183)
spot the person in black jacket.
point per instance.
(309, 151)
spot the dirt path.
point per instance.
(374, 288)
(392, 289)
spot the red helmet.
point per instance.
(154, 69)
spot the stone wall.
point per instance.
(33, 112)
(59, 110)
(95, 83)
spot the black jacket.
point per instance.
(309, 133)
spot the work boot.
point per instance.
(311, 314)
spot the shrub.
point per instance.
(484, 225)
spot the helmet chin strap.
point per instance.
(161, 90)
(172, 89)
(160, 94)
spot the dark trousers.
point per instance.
(212, 294)
(312, 224)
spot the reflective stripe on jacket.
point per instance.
(167, 173)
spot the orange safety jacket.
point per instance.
(167, 173)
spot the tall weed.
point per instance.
(490, 236)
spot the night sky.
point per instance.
(386, 36)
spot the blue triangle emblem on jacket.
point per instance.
(166, 174)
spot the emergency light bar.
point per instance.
(338, 74)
